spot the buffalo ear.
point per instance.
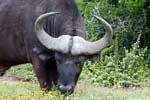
(93, 58)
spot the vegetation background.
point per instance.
(126, 61)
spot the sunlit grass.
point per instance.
(84, 91)
(25, 91)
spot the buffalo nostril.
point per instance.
(2, 73)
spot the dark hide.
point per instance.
(19, 44)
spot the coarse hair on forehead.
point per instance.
(67, 4)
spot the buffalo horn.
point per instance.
(81, 46)
(60, 44)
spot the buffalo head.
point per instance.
(70, 51)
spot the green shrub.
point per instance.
(130, 70)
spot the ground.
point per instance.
(12, 88)
(9, 79)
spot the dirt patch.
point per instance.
(9, 79)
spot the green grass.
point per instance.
(23, 71)
(85, 90)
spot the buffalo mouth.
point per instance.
(66, 89)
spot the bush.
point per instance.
(131, 70)
(126, 61)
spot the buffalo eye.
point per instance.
(80, 60)
(58, 57)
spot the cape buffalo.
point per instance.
(49, 34)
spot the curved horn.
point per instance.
(60, 44)
(81, 46)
